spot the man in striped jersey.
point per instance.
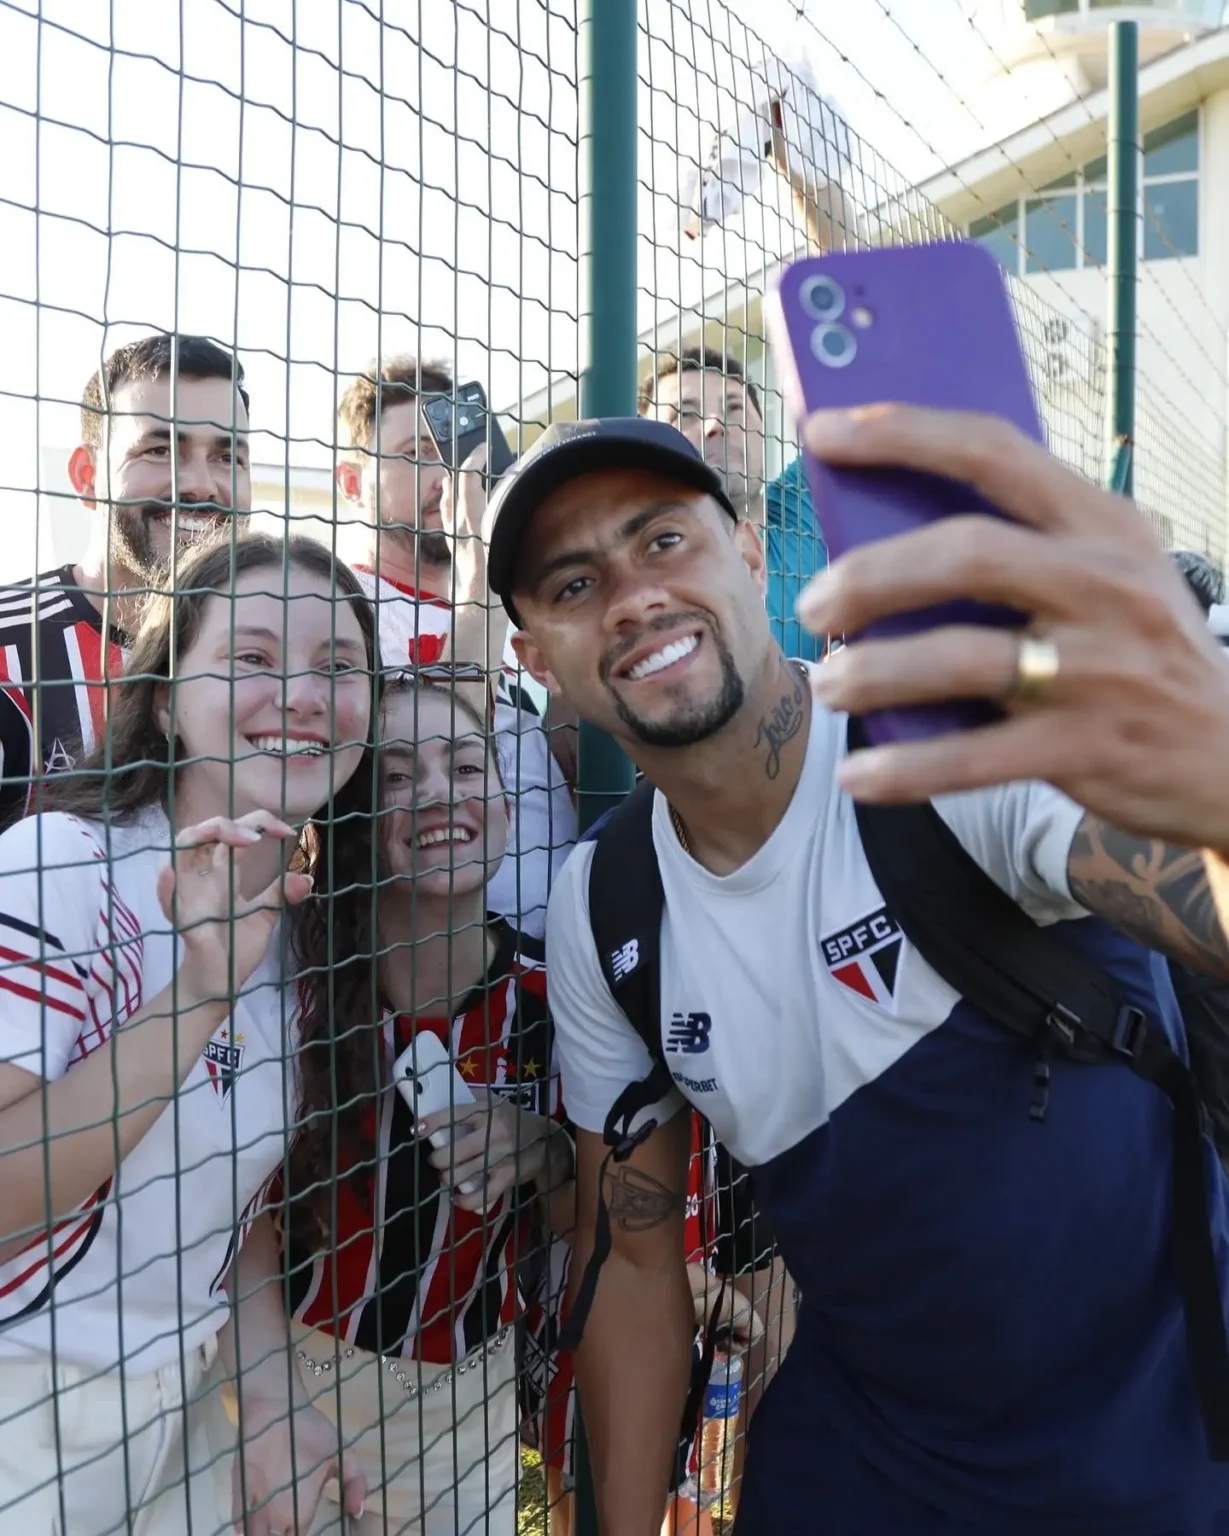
(56, 653)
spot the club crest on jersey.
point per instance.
(865, 956)
(223, 1060)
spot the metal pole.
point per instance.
(607, 41)
(607, 187)
(1122, 174)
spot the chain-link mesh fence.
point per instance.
(204, 1101)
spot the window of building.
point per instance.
(1064, 225)
(1171, 189)
(1036, 10)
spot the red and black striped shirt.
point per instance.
(69, 670)
(408, 1273)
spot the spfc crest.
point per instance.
(865, 956)
(223, 1059)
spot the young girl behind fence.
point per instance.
(402, 1257)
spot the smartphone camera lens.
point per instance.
(833, 345)
(821, 298)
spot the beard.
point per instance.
(430, 545)
(132, 544)
(433, 547)
(693, 721)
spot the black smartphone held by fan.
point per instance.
(459, 424)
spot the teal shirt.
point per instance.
(795, 549)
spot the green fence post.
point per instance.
(607, 38)
(1121, 473)
(607, 86)
(1122, 176)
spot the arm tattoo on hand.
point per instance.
(637, 1201)
(782, 723)
(1151, 891)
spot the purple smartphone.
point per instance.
(922, 325)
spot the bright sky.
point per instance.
(315, 183)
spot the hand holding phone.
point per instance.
(428, 1082)
(919, 325)
(469, 410)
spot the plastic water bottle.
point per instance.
(719, 1428)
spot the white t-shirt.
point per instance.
(81, 951)
(981, 1234)
(790, 1037)
(414, 628)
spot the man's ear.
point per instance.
(349, 477)
(82, 473)
(751, 548)
(533, 661)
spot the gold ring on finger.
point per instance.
(1036, 669)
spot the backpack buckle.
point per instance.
(1066, 1025)
(1129, 1030)
(622, 1147)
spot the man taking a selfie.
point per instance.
(994, 1336)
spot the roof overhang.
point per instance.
(1046, 149)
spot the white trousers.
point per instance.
(442, 1461)
(81, 1453)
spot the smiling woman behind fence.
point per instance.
(142, 1030)
(402, 1256)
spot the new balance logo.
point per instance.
(625, 959)
(688, 1034)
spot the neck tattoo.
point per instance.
(783, 722)
(777, 728)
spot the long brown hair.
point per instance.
(342, 1001)
(136, 767)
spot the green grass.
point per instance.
(531, 1504)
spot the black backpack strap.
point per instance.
(626, 905)
(626, 902)
(1204, 1001)
(986, 948)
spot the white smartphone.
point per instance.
(428, 1082)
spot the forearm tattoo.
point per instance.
(1151, 891)
(638, 1202)
(783, 722)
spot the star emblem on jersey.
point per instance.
(865, 956)
(223, 1060)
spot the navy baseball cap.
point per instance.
(569, 449)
